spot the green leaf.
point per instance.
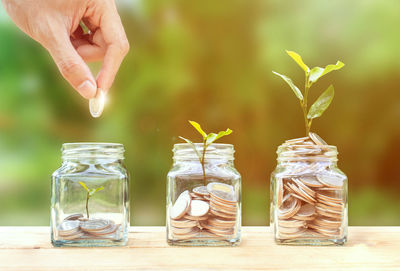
(315, 74)
(333, 67)
(318, 72)
(192, 145)
(321, 104)
(198, 128)
(295, 89)
(93, 191)
(296, 57)
(84, 186)
(211, 137)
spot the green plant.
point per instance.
(208, 139)
(312, 76)
(90, 192)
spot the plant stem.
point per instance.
(304, 106)
(202, 162)
(87, 205)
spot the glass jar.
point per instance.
(308, 195)
(90, 196)
(203, 203)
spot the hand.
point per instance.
(55, 25)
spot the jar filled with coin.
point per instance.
(90, 196)
(308, 194)
(203, 199)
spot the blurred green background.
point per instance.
(211, 61)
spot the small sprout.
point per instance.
(90, 192)
(312, 76)
(208, 139)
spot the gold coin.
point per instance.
(291, 223)
(195, 231)
(303, 187)
(223, 215)
(218, 222)
(289, 208)
(311, 181)
(297, 234)
(196, 218)
(183, 223)
(181, 230)
(288, 230)
(279, 198)
(306, 210)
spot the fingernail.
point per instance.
(87, 89)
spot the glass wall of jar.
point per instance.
(203, 203)
(90, 196)
(308, 195)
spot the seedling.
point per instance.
(90, 192)
(208, 139)
(312, 76)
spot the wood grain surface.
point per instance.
(368, 248)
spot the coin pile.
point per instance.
(206, 212)
(76, 227)
(309, 202)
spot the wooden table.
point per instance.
(369, 248)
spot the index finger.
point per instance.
(117, 46)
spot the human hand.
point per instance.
(55, 25)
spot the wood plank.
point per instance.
(369, 248)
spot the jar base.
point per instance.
(312, 242)
(204, 243)
(89, 243)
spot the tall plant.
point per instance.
(311, 76)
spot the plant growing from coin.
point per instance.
(90, 193)
(208, 139)
(312, 76)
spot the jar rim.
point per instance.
(92, 150)
(184, 151)
(304, 152)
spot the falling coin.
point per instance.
(96, 104)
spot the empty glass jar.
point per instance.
(308, 194)
(203, 201)
(90, 196)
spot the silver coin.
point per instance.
(68, 226)
(201, 190)
(93, 225)
(181, 205)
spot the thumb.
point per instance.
(72, 66)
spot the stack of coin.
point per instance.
(309, 202)
(77, 227)
(206, 212)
